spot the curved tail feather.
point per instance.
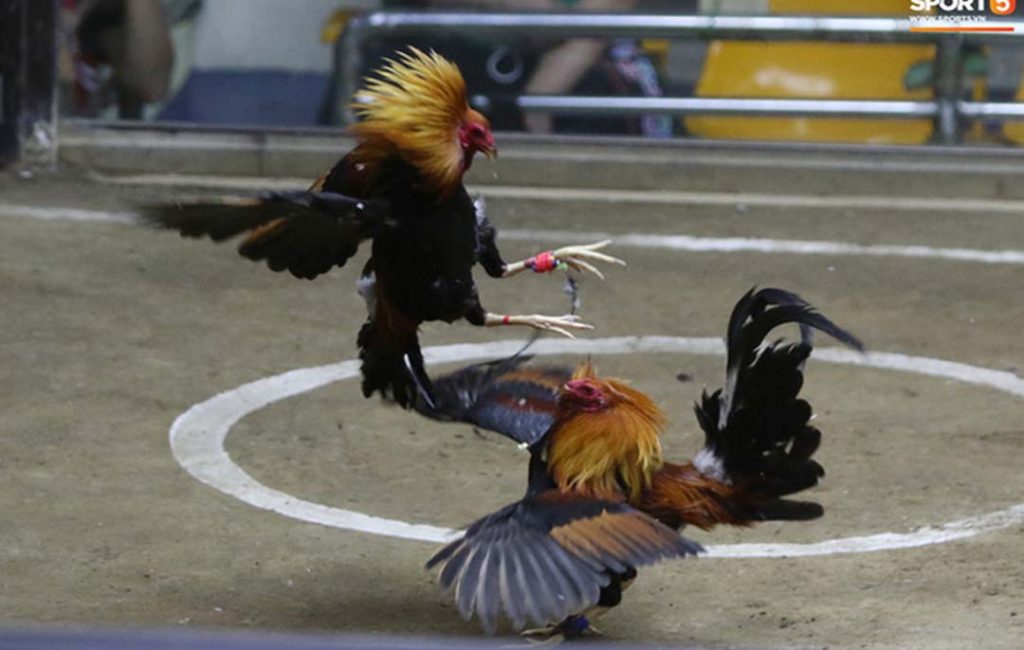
(758, 440)
(756, 428)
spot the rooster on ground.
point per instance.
(601, 501)
(401, 186)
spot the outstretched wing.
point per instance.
(756, 428)
(501, 396)
(306, 233)
(548, 556)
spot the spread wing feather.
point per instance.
(305, 233)
(501, 396)
(548, 556)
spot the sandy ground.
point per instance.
(111, 331)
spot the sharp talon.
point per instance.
(573, 627)
(604, 258)
(581, 257)
(539, 631)
(554, 639)
(584, 266)
(610, 260)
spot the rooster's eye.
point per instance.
(476, 131)
(589, 396)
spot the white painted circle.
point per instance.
(197, 439)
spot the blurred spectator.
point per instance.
(596, 67)
(562, 68)
(500, 71)
(116, 51)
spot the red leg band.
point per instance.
(506, 319)
(542, 262)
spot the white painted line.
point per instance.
(686, 243)
(753, 245)
(950, 532)
(180, 141)
(197, 439)
(660, 197)
(705, 159)
(65, 214)
(750, 199)
(232, 183)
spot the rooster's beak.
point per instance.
(490, 152)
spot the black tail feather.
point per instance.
(393, 369)
(756, 428)
(785, 510)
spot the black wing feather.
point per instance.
(307, 233)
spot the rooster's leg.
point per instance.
(580, 258)
(558, 324)
(575, 626)
(572, 627)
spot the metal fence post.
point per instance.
(949, 125)
(348, 57)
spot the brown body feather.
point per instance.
(679, 495)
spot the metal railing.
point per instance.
(949, 109)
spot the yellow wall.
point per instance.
(814, 70)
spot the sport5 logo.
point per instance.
(998, 7)
(1003, 7)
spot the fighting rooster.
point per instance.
(601, 501)
(401, 186)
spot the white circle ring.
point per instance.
(197, 439)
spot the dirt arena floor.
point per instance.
(112, 331)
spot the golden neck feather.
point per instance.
(602, 452)
(414, 106)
